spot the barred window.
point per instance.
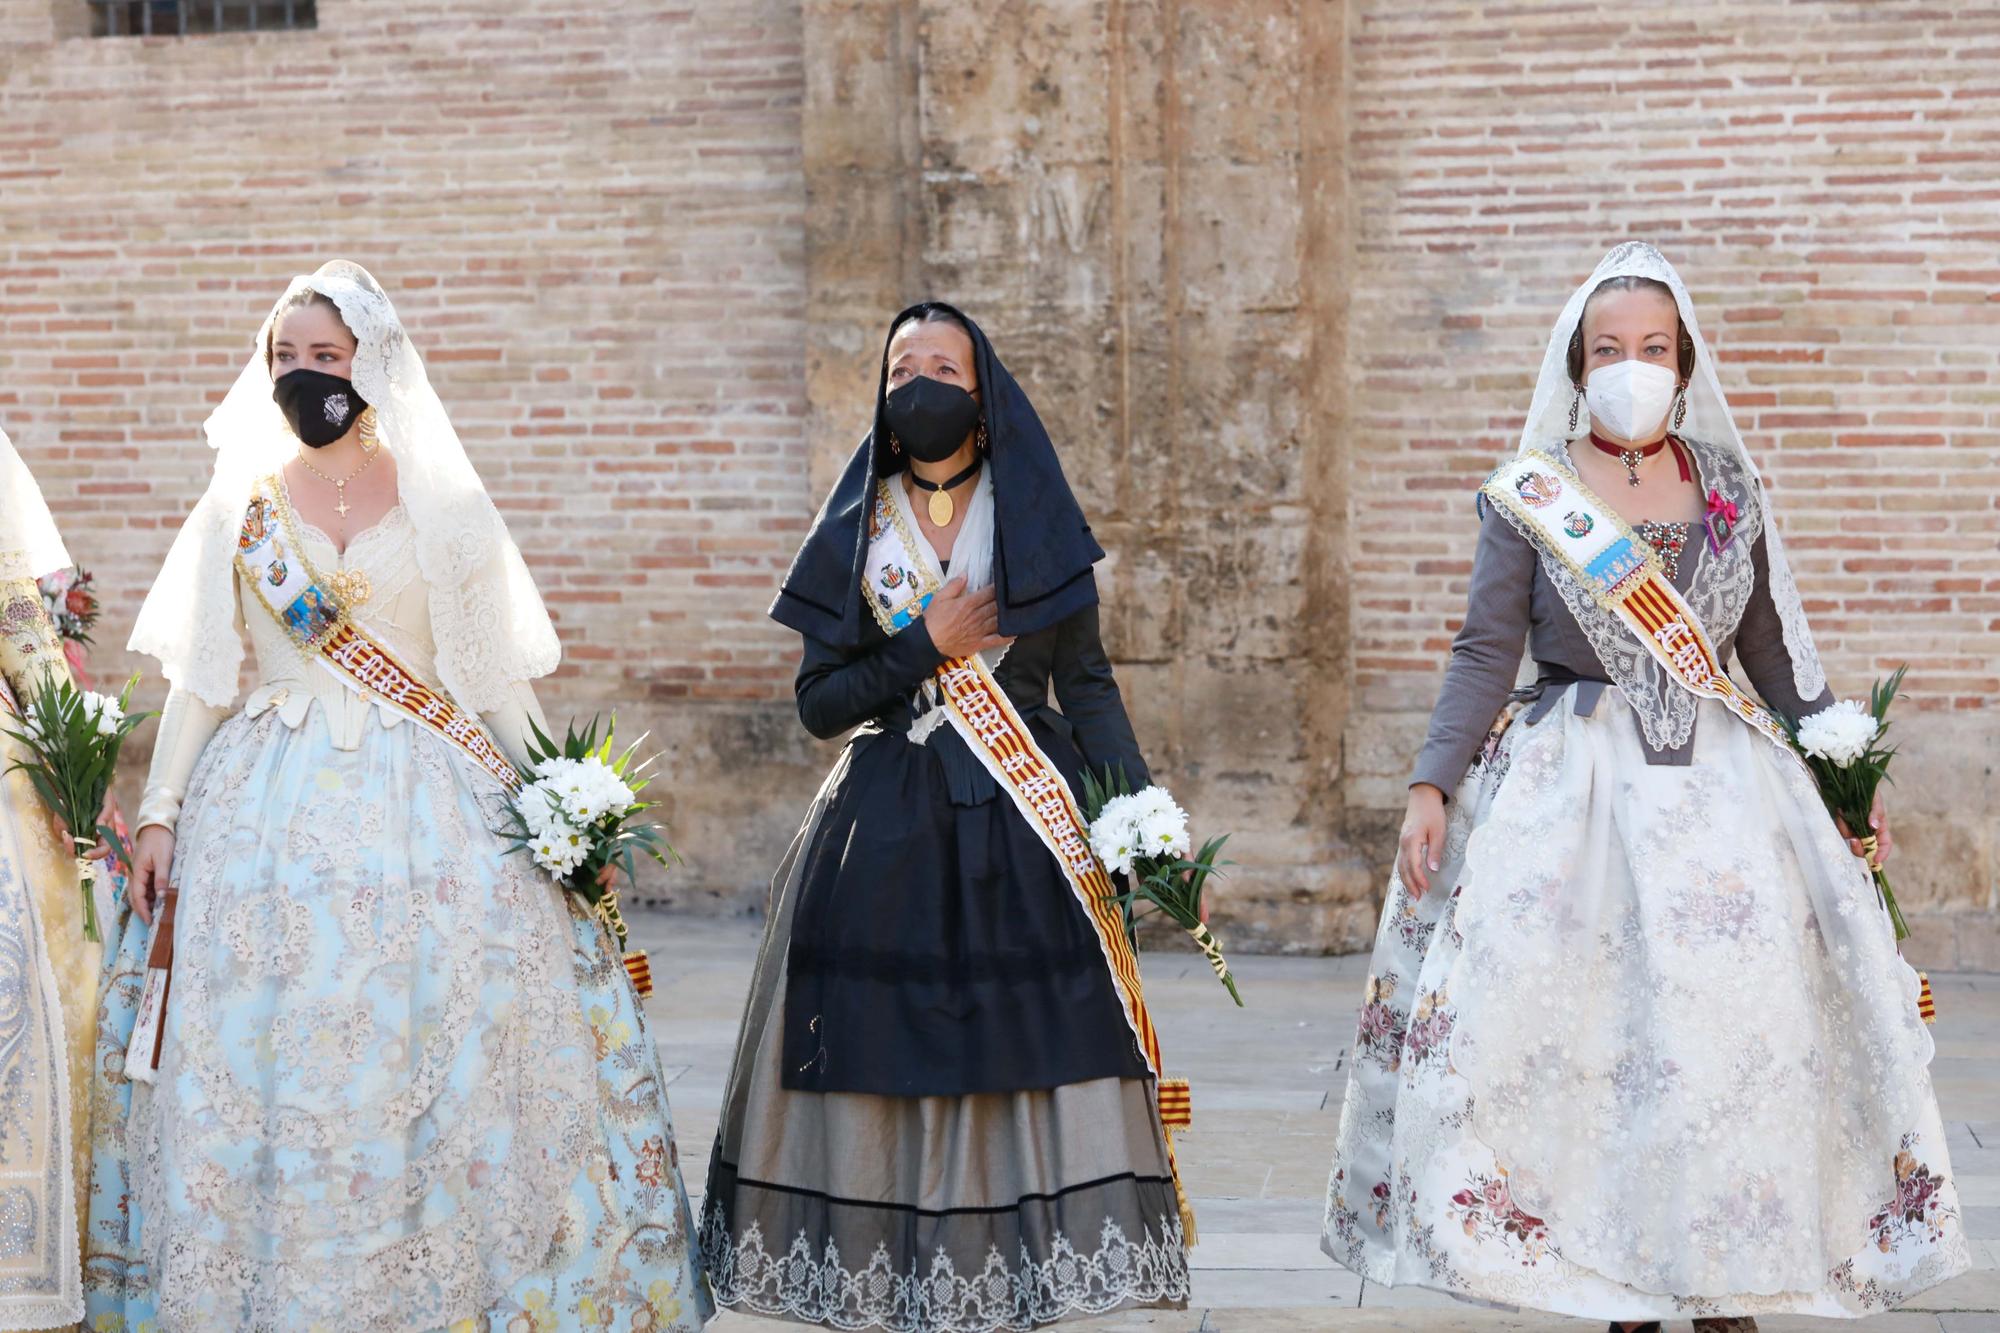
(185, 18)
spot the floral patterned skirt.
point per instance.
(401, 1082)
(1644, 1049)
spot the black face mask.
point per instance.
(319, 406)
(930, 419)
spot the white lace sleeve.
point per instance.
(509, 722)
(187, 723)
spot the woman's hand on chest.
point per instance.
(962, 623)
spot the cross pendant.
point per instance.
(341, 506)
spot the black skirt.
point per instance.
(938, 949)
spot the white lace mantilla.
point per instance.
(819, 1288)
(491, 627)
(29, 544)
(1548, 430)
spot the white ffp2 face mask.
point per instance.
(1630, 399)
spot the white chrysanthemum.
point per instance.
(540, 810)
(613, 793)
(560, 850)
(1162, 826)
(590, 790)
(1839, 733)
(105, 711)
(548, 854)
(1114, 834)
(572, 784)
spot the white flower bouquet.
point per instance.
(1842, 746)
(72, 738)
(1143, 835)
(578, 811)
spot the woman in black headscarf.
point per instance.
(944, 1112)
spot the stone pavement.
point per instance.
(1268, 1081)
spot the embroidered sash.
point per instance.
(900, 582)
(1623, 576)
(897, 581)
(313, 611)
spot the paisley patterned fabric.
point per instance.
(48, 979)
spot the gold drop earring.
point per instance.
(367, 426)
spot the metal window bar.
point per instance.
(152, 18)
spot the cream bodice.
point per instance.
(395, 612)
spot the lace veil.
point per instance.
(491, 626)
(29, 544)
(1666, 712)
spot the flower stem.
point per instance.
(86, 875)
(1888, 897)
(1211, 949)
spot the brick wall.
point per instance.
(1827, 179)
(589, 216)
(1279, 273)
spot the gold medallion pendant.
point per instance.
(941, 508)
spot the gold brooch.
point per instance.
(350, 587)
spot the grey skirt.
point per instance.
(1002, 1210)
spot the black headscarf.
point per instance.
(1042, 548)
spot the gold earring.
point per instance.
(370, 442)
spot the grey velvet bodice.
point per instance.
(1512, 604)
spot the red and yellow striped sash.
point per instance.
(271, 561)
(994, 730)
(376, 672)
(1559, 514)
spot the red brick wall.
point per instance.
(1826, 176)
(589, 216)
(593, 219)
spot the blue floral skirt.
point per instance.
(403, 1085)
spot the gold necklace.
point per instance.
(339, 484)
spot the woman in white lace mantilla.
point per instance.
(1636, 1041)
(401, 1085)
(48, 969)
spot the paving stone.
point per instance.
(1326, 1287)
(1969, 1323)
(1268, 1082)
